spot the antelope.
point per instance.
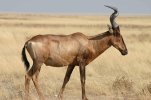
(71, 50)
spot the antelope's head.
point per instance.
(117, 39)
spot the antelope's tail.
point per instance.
(24, 58)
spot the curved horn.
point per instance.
(113, 16)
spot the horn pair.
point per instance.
(113, 16)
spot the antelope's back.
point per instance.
(61, 50)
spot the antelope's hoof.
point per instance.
(85, 98)
(60, 97)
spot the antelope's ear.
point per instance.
(110, 29)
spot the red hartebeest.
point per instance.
(69, 50)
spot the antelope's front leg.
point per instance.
(66, 79)
(83, 78)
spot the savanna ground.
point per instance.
(109, 77)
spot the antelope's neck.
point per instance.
(101, 43)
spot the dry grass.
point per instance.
(110, 77)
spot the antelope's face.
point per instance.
(117, 39)
(118, 42)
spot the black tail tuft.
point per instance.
(24, 59)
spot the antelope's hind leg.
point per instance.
(66, 79)
(33, 74)
(27, 83)
(35, 79)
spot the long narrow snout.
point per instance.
(124, 52)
